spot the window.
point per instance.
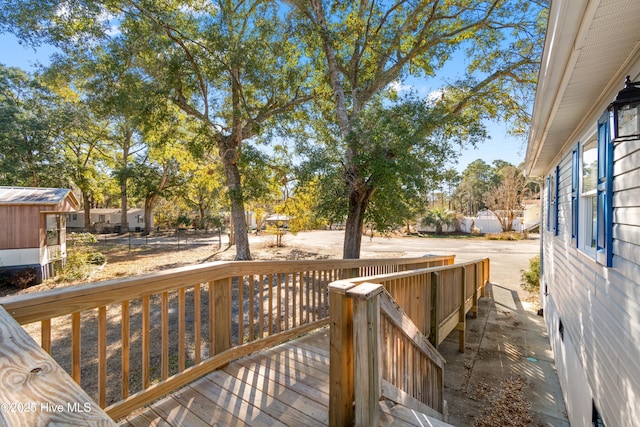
(552, 208)
(588, 206)
(101, 218)
(53, 230)
(575, 181)
(604, 227)
(74, 217)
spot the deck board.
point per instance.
(287, 385)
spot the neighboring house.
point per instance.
(278, 220)
(33, 229)
(531, 218)
(107, 220)
(590, 249)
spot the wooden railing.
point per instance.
(34, 389)
(146, 336)
(434, 302)
(392, 358)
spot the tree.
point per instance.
(438, 217)
(232, 66)
(366, 46)
(300, 207)
(473, 187)
(31, 123)
(85, 137)
(505, 200)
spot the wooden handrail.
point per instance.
(34, 389)
(236, 308)
(389, 349)
(37, 306)
(433, 301)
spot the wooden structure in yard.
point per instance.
(137, 339)
(32, 241)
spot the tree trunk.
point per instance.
(87, 210)
(358, 201)
(232, 173)
(202, 213)
(124, 224)
(148, 212)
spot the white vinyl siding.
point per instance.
(600, 306)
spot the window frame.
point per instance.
(575, 199)
(586, 202)
(552, 216)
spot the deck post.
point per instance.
(434, 333)
(341, 393)
(477, 282)
(366, 344)
(222, 310)
(462, 315)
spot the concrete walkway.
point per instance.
(508, 341)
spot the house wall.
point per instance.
(21, 226)
(112, 217)
(23, 238)
(598, 306)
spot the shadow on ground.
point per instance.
(506, 376)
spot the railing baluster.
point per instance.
(294, 285)
(181, 329)
(164, 329)
(212, 320)
(125, 343)
(102, 356)
(251, 301)
(197, 309)
(286, 302)
(145, 340)
(45, 335)
(308, 276)
(278, 302)
(75, 347)
(240, 310)
(270, 307)
(261, 308)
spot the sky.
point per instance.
(500, 146)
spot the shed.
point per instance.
(33, 220)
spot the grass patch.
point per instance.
(506, 235)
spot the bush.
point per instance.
(76, 239)
(531, 277)
(20, 279)
(505, 236)
(96, 258)
(78, 265)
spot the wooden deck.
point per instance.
(287, 385)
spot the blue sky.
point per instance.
(501, 146)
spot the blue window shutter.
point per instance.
(575, 182)
(604, 224)
(556, 197)
(549, 203)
